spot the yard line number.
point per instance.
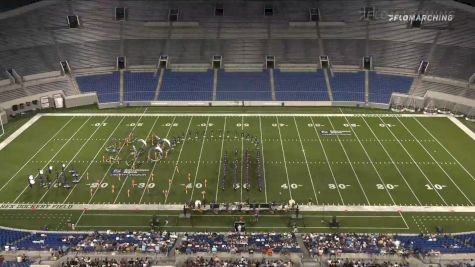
(387, 186)
(339, 186)
(99, 124)
(292, 186)
(133, 124)
(105, 185)
(435, 186)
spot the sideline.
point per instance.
(19, 131)
(179, 207)
(462, 127)
(164, 114)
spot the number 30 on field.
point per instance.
(339, 186)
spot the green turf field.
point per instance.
(390, 172)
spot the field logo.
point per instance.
(335, 132)
(129, 172)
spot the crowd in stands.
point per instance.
(59, 243)
(334, 244)
(106, 262)
(242, 262)
(239, 242)
(21, 261)
(127, 242)
(363, 263)
(427, 245)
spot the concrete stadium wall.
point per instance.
(247, 104)
(7, 106)
(44, 75)
(108, 105)
(438, 99)
(80, 100)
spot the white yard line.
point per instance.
(242, 153)
(306, 161)
(327, 160)
(57, 152)
(178, 160)
(199, 160)
(417, 165)
(127, 177)
(155, 163)
(220, 160)
(436, 162)
(105, 174)
(95, 156)
(370, 160)
(404, 220)
(392, 161)
(437, 140)
(351, 164)
(37, 151)
(285, 161)
(75, 155)
(263, 159)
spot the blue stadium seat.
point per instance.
(105, 85)
(381, 86)
(237, 86)
(348, 86)
(140, 86)
(10, 236)
(300, 86)
(444, 244)
(186, 86)
(45, 241)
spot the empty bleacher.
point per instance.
(186, 86)
(12, 94)
(105, 85)
(239, 86)
(139, 86)
(462, 91)
(7, 237)
(381, 86)
(64, 85)
(443, 244)
(348, 86)
(300, 86)
(243, 86)
(45, 241)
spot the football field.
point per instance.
(325, 162)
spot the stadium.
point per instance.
(237, 133)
